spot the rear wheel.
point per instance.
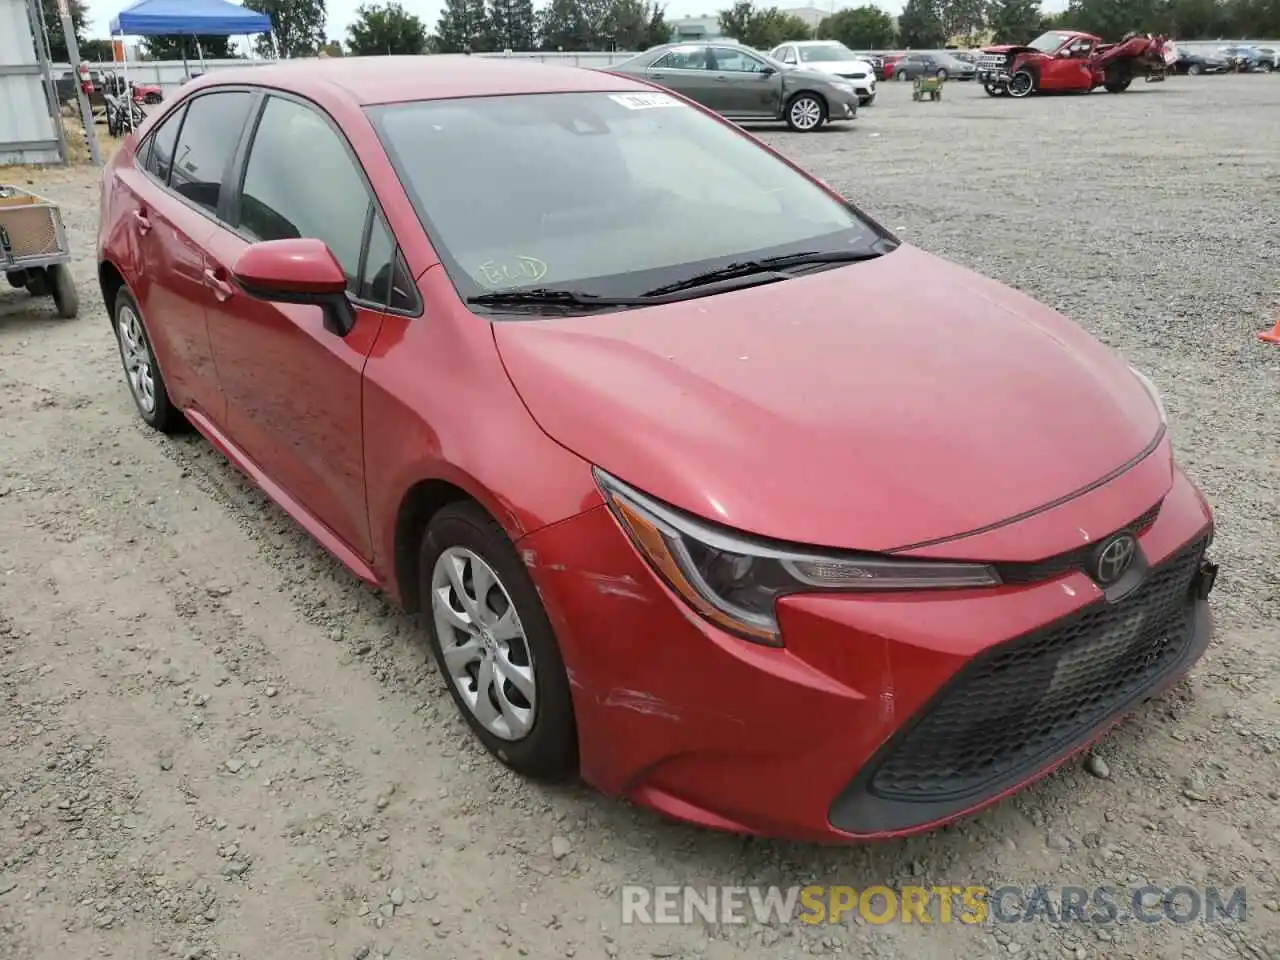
(806, 113)
(63, 287)
(901, 75)
(1117, 81)
(146, 385)
(942, 73)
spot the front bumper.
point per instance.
(883, 715)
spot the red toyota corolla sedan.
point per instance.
(709, 488)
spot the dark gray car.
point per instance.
(942, 65)
(744, 85)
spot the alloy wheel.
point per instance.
(139, 365)
(806, 113)
(486, 652)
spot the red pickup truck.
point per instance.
(1071, 61)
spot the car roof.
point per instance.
(398, 79)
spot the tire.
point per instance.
(901, 75)
(37, 284)
(547, 748)
(141, 372)
(1117, 81)
(942, 73)
(1194, 70)
(63, 288)
(1022, 84)
(992, 90)
(806, 112)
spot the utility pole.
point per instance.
(73, 54)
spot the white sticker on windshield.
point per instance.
(645, 101)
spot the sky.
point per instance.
(341, 12)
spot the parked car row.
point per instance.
(1235, 58)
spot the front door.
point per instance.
(293, 388)
(746, 86)
(1070, 68)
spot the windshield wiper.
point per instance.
(767, 265)
(541, 296)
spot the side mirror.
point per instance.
(302, 270)
(767, 71)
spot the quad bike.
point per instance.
(33, 249)
(124, 113)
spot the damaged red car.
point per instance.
(1068, 61)
(709, 488)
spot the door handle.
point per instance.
(141, 219)
(656, 76)
(222, 290)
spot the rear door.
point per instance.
(293, 388)
(175, 199)
(684, 70)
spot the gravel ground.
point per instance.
(215, 743)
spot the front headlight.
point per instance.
(733, 580)
(844, 86)
(1152, 392)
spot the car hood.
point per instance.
(838, 66)
(874, 406)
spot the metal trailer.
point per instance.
(34, 254)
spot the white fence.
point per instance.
(169, 74)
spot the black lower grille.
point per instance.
(1013, 708)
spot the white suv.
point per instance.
(833, 57)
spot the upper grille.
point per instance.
(1031, 698)
(991, 61)
(860, 75)
(1072, 560)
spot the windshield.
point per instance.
(1048, 42)
(827, 53)
(608, 193)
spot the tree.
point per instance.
(961, 18)
(658, 30)
(862, 28)
(298, 26)
(385, 28)
(761, 28)
(53, 28)
(333, 49)
(513, 24)
(1015, 21)
(563, 25)
(175, 48)
(463, 27)
(920, 26)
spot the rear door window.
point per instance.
(209, 137)
(160, 146)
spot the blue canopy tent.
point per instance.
(164, 18)
(168, 18)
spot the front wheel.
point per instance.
(1194, 70)
(942, 73)
(494, 644)
(1022, 84)
(901, 75)
(992, 89)
(806, 113)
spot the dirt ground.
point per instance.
(215, 744)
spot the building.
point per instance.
(708, 27)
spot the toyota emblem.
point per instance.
(1114, 558)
